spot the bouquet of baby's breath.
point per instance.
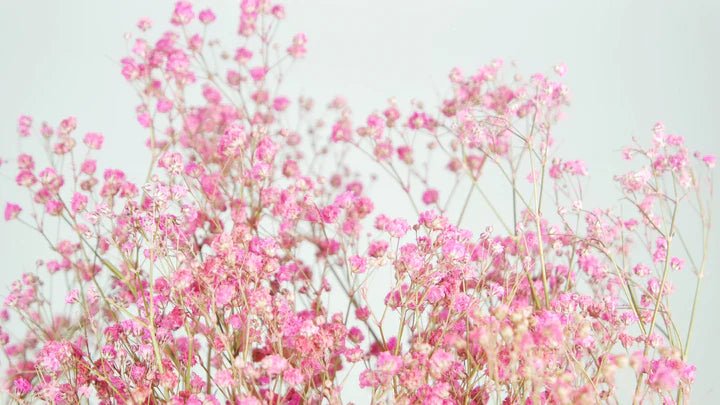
(248, 268)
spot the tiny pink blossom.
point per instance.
(144, 23)
(25, 162)
(22, 386)
(278, 11)
(709, 160)
(243, 55)
(72, 296)
(206, 16)
(280, 103)
(93, 140)
(293, 376)
(12, 211)
(258, 73)
(357, 264)
(405, 154)
(53, 207)
(388, 363)
(88, 166)
(274, 364)
(297, 49)
(78, 203)
(440, 362)
(183, 13)
(195, 42)
(68, 125)
(224, 294)
(560, 69)
(164, 105)
(224, 378)
(24, 123)
(676, 263)
(430, 196)
(641, 270)
(144, 119)
(362, 313)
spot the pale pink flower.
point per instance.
(72, 296)
(206, 16)
(430, 196)
(709, 160)
(11, 211)
(560, 69)
(145, 23)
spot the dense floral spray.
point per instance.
(244, 269)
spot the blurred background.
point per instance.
(630, 64)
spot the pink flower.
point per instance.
(355, 335)
(709, 160)
(72, 296)
(53, 207)
(297, 49)
(278, 11)
(357, 264)
(388, 363)
(258, 73)
(12, 211)
(144, 23)
(560, 69)
(418, 120)
(24, 123)
(397, 228)
(224, 294)
(25, 162)
(293, 376)
(22, 386)
(330, 214)
(430, 196)
(183, 13)
(88, 166)
(456, 75)
(662, 377)
(274, 364)
(641, 270)
(93, 140)
(454, 250)
(575, 167)
(212, 95)
(280, 103)
(53, 355)
(677, 263)
(440, 362)
(224, 378)
(378, 248)
(144, 119)
(79, 201)
(68, 125)
(206, 16)
(243, 55)
(164, 105)
(341, 131)
(362, 313)
(405, 154)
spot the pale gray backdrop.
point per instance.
(630, 64)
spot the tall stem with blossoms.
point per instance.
(211, 281)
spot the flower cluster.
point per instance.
(244, 268)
